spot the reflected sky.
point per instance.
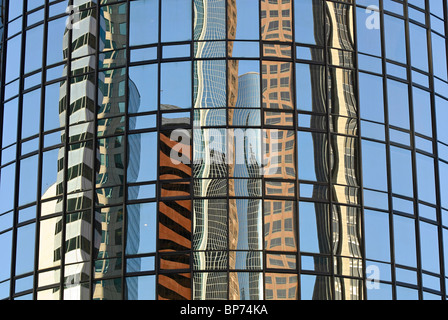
(176, 20)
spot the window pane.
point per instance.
(308, 15)
(210, 230)
(33, 49)
(141, 228)
(316, 287)
(311, 155)
(49, 245)
(28, 180)
(422, 112)
(25, 249)
(53, 95)
(442, 114)
(13, 55)
(377, 235)
(310, 89)
(401, 169)
(443, 167)
(398, 104)
(249, 286)
(276, 20)
(439, 56)
(419, 47)
(141, 288)
(314, 227)
(10, 115)
(371, 97)
(175, 85)
(210, 20)
(143, 20)
(5, 255)
(405, 247)
(176, 20)
(381, 294)
(429, 240)
(143, 88)
(56, 29)
(30, 113)
(50, 171)
(406, 294)
(426, 178)
(280, 226)
(395, 38)
(374, 165)
(247, 23)
(142, 164)
(369, 34)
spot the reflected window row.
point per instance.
(202, 285)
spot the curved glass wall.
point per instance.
(223, 150)
(402, 87)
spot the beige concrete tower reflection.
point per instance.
(343, 143)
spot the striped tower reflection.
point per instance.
(174, 235)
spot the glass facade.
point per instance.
(223, 150)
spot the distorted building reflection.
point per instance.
(245, 222)
(211, 215)
(342, 234)
(102, 166)
(280, 215)
(227, 211)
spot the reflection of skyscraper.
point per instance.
(278, 101)
(245, 189)
(212, 214)
(79, 157)
(161, 151)
(102, 167)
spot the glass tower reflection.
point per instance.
(217, 154)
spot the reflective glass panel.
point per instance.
(175, 85)
(142, 161)
(25, 248)
(308, 14)
(377, 235)
(141, 226)
(374, 165)
(405, 245)
(314, 227)
(176, 20)
(143, 26)
(395, 38)
(141, 288)
(5, 254)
